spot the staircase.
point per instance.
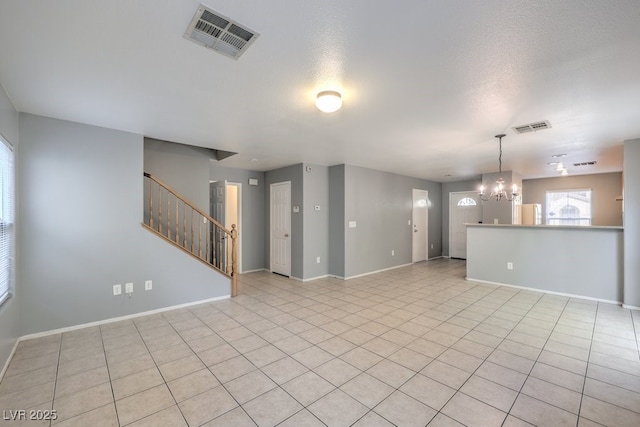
(174, 218)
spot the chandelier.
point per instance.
(499, 191)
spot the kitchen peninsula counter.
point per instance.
(582, 261)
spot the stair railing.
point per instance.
(173, 217)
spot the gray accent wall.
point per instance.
(315, 222)
(183, 167)
(381, 204)
(606, 187)
(337, 223)
(9, 313)
(632, 222)
(447, 188)
(294, 175)
(80, 230)
(252, 231)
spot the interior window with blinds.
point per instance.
(6, 219)
(568, 207)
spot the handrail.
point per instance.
(185, 229)
(187, 201)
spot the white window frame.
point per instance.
(547, 208)
(7, 226)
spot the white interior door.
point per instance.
(464, 207)
(280, 212)
(420, 225)
(217, 199)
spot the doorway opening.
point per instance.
(225, 199)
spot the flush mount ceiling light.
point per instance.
(499, 192)
(329, 101)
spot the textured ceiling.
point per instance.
(426, 84)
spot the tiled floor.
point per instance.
(413, 346)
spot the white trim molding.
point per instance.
(543, 291)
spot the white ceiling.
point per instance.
(426, 84)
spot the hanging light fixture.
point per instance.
(499, 191)
(329, 101)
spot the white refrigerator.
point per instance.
(531, 214)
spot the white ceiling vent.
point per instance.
(215, 31)
(532, 127)
(591, 163)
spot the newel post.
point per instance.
(234, 261)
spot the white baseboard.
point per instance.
(6, 364)
(119, 319)
(309, 279)
(630, 307)
(436, 257)
(373, 272)
(254, 271)
(544, 291)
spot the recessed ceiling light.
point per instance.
(254, 160)
(329, 101)
(553, 163)
(557, 156)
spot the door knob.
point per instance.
(415, 231)
(286, 235)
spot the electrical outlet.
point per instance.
(128, 288)
(509, 266)
(393, 253)
(148, 285)
(318, 260)
(117, 289)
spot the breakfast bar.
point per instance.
(581, 261)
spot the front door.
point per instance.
(420, 225)
(464, 208)
(280, 213)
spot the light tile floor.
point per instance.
(414, 346)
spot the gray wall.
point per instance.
(632, 222)
(252, 232)
(337, 223)
(606, 187)
(9, 314)
(294, 174)
(578, 261)
(381, 204)
(80, 230)
(315, 223)
(183, 167)
(447, 188)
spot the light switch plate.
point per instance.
(352, 224)
(148, 285)
(128, 288)
(117, 289)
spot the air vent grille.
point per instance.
(532, 127)
(591, 163)
(217, 32)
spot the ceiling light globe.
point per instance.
(329, 101)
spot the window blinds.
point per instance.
(6, 219)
